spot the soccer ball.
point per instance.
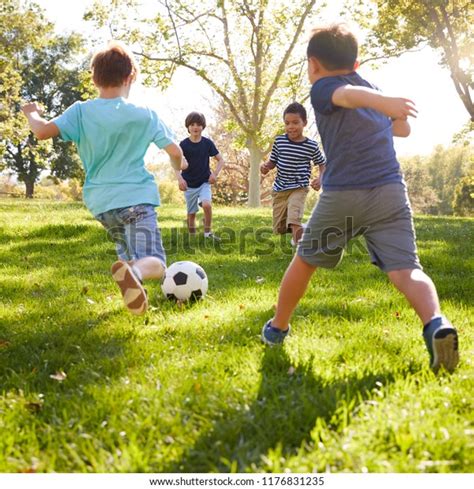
(184, 280)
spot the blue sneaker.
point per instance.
(273, 336)
(441, 339)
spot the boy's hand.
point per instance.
(400, 108)
(182, 184)
(212, 178)
(31, 107)
(265, 168)
(316, 183)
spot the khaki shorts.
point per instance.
(288, 208)
(381, 214)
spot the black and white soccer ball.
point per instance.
(184, 280)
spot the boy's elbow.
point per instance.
(401, 129)
(41, 135)
(174, 151)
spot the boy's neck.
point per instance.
(114, 92)
(297, 139)
(326, 73)
(195, 138)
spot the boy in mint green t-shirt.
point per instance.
(112, 136)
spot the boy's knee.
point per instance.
(206, 205)
(403, 275)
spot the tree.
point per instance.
(249, 51)
(397, 26)
(45, 69)
(463, 202)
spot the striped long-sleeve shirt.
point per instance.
(293, 162)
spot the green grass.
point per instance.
(192, 389)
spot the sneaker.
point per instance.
(212, 236)
(133, 294)
(273, 336)
(441, 340)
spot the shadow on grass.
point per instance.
(29, 357)
(280, 421)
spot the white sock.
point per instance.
(207, 234)
(137, 273)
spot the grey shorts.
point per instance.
(195, 196)
(381, 214)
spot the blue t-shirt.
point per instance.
(293, 162)
(358, 143)
(112, 137)
(197, 155)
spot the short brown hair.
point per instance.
(195, 117)
(334, 46)
(113, 65)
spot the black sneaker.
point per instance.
(273, 336)
(441, 340)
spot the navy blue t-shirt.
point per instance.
(358, 143)
(197, 155)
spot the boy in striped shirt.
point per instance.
(292, 154)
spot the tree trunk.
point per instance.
(30, 188)
(254, 174)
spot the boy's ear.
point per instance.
(314, 66)
(356, 65)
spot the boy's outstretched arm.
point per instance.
(353, 97)
(40, 127)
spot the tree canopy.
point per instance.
(250, 52)
(37, 65)
(396, 26)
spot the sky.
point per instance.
(416, 76)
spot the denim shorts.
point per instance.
(135, 232)
(194, 196)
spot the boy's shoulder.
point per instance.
(353, 78)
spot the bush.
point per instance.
(463, 202)
(170, 193)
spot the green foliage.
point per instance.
(192, 389)
(47, 70)
(396, 26)
(432, 179)
(463, 202)
(170, 193)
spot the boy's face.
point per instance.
(294, 126)
(195, 129)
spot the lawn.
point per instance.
(86, 387)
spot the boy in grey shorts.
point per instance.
(363, 193)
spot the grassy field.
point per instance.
(86, 387)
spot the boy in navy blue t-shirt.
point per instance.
(196, 181)
(363, 193)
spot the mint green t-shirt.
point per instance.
(112, 137)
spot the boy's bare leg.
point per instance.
(207, 208)
(191, 223)
(296, 232)
(419, 290)
(440, 336)
(292, 288)
(148, 267)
